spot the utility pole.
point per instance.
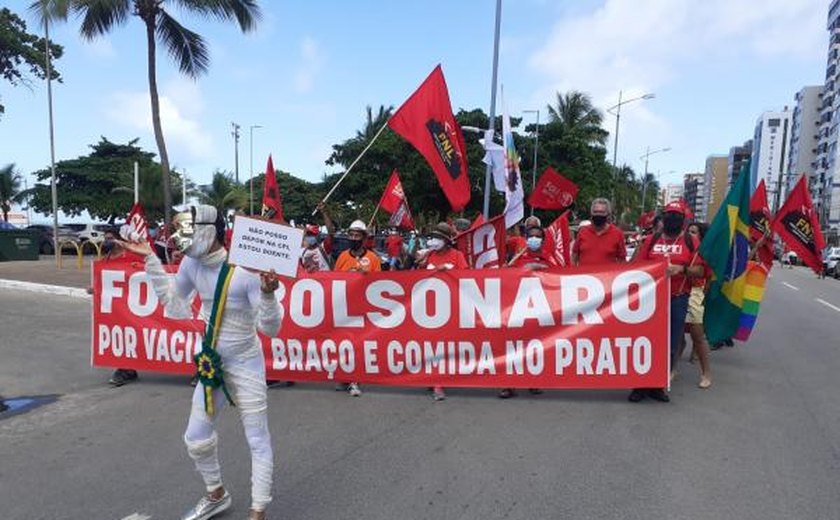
(53, 185)
(235, 134)
(492, 126)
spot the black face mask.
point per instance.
(356, 244)
(107, 246)
(672, 223)
(599, 220)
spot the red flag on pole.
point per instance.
(135, 228)
(394, 202)
(798, 225)
(558, 238)
(760, 220)
(553, 191)
(483, 244)
(425, 120)
(272, 202)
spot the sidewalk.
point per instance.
(45, 271)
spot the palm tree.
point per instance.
(576, 115)
(224, 193)
(374, 123)
(187, 48)
(9, 189)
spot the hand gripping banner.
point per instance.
(556, 328)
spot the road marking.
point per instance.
(791, 286)
(137, 516)
(828, 304)
(41, 288)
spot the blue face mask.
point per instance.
(534, 243)
(311, 241)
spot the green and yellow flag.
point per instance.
(726, 249)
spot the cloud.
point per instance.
(181, 106)
(312, 62)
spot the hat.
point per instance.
(358, 225)
(532, 221)
(443, 230)
(312, 229)
(675, 207)
(462, 224)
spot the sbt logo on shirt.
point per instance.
(668, 249)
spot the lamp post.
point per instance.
(617, 111)
(488, 171)
(53, 185)
(251, 144)
(235, 134)
(646, 157)
(536, 146)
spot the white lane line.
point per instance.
(137, 516)
(73, 292)
(790, 286)
(828, 304)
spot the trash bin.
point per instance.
(18, 245)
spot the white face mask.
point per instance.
(435, 244)
(534, 243)
(193, 236)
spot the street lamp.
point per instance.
(235, 134)
(646, 157)
(251, 145)
(617, 109)
(536, 145)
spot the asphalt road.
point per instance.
(763, 443)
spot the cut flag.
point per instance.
(272, 203)
(558, 239)
(483, 244)
(797, 224)
(425, 120)
(725, 249)
(512, 181)
(760, 220)
(395, 203)
(135, 228)
(753, 294)
(553, 191)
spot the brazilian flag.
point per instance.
(726, 249)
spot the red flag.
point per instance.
(553, 191)
(425, 120)
(646, 219)
(760, 219)
(394, 202)
(272, 202)
(483, 244)
(558, 238)
(135, 228)
(798, 225)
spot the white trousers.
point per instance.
(245, 379)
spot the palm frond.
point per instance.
(50, 10)
(100, 16)
(246, 12)
(184, 46)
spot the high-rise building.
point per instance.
(738, 155)
(804, 136)
(825, 187)
(715, 184)
(671, 193)
(694, 194)
(770, 153)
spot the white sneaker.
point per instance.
(206, 508)
(354, 390)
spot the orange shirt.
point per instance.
(368, 262)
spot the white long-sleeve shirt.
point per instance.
(247, 310)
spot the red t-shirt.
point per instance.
(393, 245)
(450, 259)
(678, 253)
(515, 244)
(592, 248)
(535, 260)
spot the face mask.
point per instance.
(599, 220)
(534, 243)
(311, 241)
(191, 239)
(107, 246)
(356, 244)
(435, 244)
(672, 223)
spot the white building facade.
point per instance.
(825, 186)
(804, 136)
(771, 153)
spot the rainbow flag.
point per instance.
(756, 279)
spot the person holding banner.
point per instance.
(235, 303)
(673, 245)
(358, 259)
(534, 256)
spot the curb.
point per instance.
(73, 292)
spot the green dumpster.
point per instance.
(18, 245)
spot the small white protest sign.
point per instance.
(263, 246)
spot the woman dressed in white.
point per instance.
(250, 306)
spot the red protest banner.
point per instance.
(483, 244)
(569, 328)
(760, 219)
(798, 225)
(394, 201)
(553, 191)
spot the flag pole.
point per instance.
(340, 180)
(374, 213)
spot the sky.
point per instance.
(308, 71)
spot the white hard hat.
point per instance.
(358, 225)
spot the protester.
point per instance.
(249, 306)
(514, 243)
(356, 259)
(694, 318)
(394, 248)
(442, 256)
(678, 249)
(599, 243)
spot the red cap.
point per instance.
(675, 207)
(312, 229)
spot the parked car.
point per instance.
(45, 240)
(6, 225)
(93, 232)
(831, 261)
